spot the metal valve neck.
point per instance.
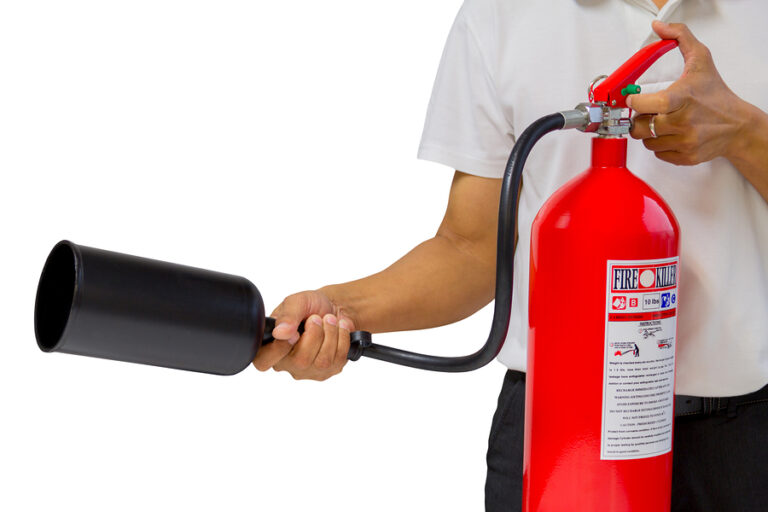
(598, 117)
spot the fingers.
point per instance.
(666, 143)
(269, 355)
(662, 102)
(342, 346)
(676, 158)
(288, 316)
(697, 59)
(303, 355)
(669, 144)
(669, 136)
(641, 126)
(672, 143)
(291, 312)
(317, 354)
(327, 352)
(676, 149)
(663, 125)
(322, 350)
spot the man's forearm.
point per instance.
(750, 150)
(440, 281)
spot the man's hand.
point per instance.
(321, 351)
(696, 119)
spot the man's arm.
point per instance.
(698, 118)
(442, 280)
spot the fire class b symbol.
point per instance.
(619, 302)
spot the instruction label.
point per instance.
(639, 368)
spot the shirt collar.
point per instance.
(660, 14)
(640, 14)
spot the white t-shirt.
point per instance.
(508, 62)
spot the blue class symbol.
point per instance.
(674, 298)
(665, 300)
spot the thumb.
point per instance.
(288, 316)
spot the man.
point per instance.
(505, 64)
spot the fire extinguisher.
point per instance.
(602, 317)
(602, 326)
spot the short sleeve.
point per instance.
(465, 127)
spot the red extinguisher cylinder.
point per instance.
(602, 317)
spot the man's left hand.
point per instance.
(697, 118)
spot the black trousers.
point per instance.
(720, 461)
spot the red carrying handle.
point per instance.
(609, 90)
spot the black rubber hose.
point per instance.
(505, 250)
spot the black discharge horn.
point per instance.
(114, 306)
(105, 304)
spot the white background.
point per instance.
(273, 140)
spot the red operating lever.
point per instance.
(609, 90)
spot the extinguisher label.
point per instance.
(639, 368)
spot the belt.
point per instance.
(698, 405)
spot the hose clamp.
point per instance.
(359, 341)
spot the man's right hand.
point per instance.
(321, 351)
